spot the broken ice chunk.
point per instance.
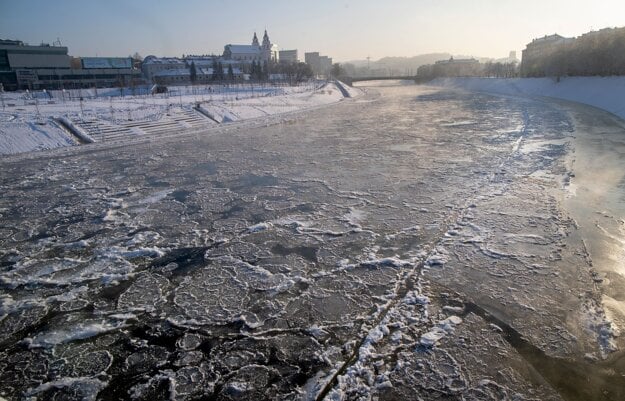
(439, 331)
(259, 227)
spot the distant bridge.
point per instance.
(408, 78)
(351, 80)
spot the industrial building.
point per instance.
(23, 66)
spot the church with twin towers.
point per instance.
(257, 52)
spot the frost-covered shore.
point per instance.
(29, 121)
(607, 93)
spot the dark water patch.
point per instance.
(162, 338)
(184, 258)
(307, 252)
(218, 184)
(575, 380)
(235, 209)
(156, 182)
(121, 384)
(41, 235)
(248, 181)
(92, 234)
(180, 195)
(9, 259)
(304, 208)
(209, 168)
(11, 342)
(112, 292)
(162, 335)
(139, 230)
(256, 218)
(69, 220)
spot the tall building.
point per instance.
(320, 65)
(288, 56)
(325, 64)
(312, 59)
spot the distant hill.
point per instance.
(388, 66)
(394, 65)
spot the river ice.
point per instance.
(411, 244)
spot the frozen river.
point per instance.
(413, 243)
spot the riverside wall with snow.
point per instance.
(607, 93)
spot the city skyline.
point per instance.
(346, 31)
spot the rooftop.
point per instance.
(186, 72)
(162, 60)
(249, 49)
(457, 60)
(549, 38)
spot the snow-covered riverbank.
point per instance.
(29, 122)
(607, 93)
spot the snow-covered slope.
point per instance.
(20, 133)
(27, 122)
(607, 93)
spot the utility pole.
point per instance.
(368, 64)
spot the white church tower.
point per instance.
(269, 50)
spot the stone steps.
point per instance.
(176, 121)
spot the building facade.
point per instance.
(182, 76)
(152, 65)
(468, 67)
(537, 50)
(23, 66)
(325, 63)
(19, 62)
(288, 56)
(320, 65)
(312, 59)
(255, 52)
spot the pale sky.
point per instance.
(344, 30)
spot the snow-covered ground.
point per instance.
(28, 120)
(607, 93)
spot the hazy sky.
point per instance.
(344, 30)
